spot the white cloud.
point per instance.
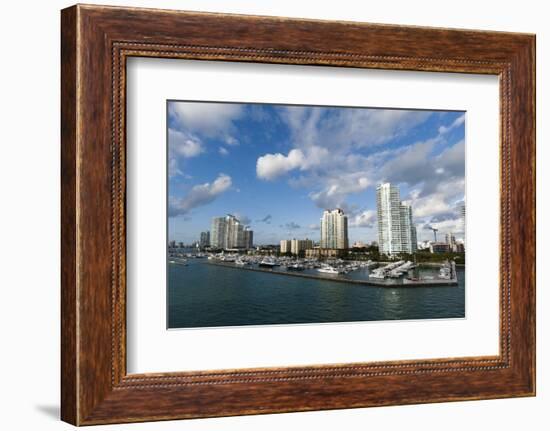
(271, 166)
(458, 122)
(344, 128)
(231, 141)
(411, 165)
(338, 188)
(364, 219)
(452, 160)
(181, 145)
(451, 225)
(184, 144)
(223, 151)
(173, 167)
(209, 119)
(442, 200)
(333, 150)
(199, 195)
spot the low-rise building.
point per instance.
(317, 252)
(439, 247)
(285, 246)
(299, 245)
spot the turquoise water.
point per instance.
(205, 295)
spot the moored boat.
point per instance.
(268, 263)
(328, 270)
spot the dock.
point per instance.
(376, 283)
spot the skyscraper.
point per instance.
(334, 229)
(205, 239)
(217, 232)
(228, 232)
(396, 230)
(248, 238)
(408, 230)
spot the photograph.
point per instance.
(298, 214)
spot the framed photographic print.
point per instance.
(269, 215)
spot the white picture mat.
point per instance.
(153, 348)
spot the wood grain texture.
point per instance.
(96, 41)
(69, 397)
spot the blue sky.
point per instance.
(277, 167)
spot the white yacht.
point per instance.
(328, 270)
(268, 263)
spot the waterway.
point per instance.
(206, 295)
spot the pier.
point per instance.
(377, 283)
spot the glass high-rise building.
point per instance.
(248, 238)
(334, 229)
(205, 239)
(396, 230)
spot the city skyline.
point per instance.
(278, 167)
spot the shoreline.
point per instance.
(423, 283)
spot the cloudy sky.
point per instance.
(277, 167)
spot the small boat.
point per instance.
(378, 273)
(227, 259)
(445, 271)
(268, 263)
(295, 267)
(241, 262)
(328, 270)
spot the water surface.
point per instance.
(205, 295)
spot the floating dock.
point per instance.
(378, 283)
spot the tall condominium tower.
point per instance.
(396, 230)
(334, 229)
(228, 232)
(217, 232)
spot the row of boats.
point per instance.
(335, 266)
(400, 268)
(392, 270)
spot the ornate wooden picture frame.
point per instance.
(96, 41)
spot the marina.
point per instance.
(366, 282)
(391, 274)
